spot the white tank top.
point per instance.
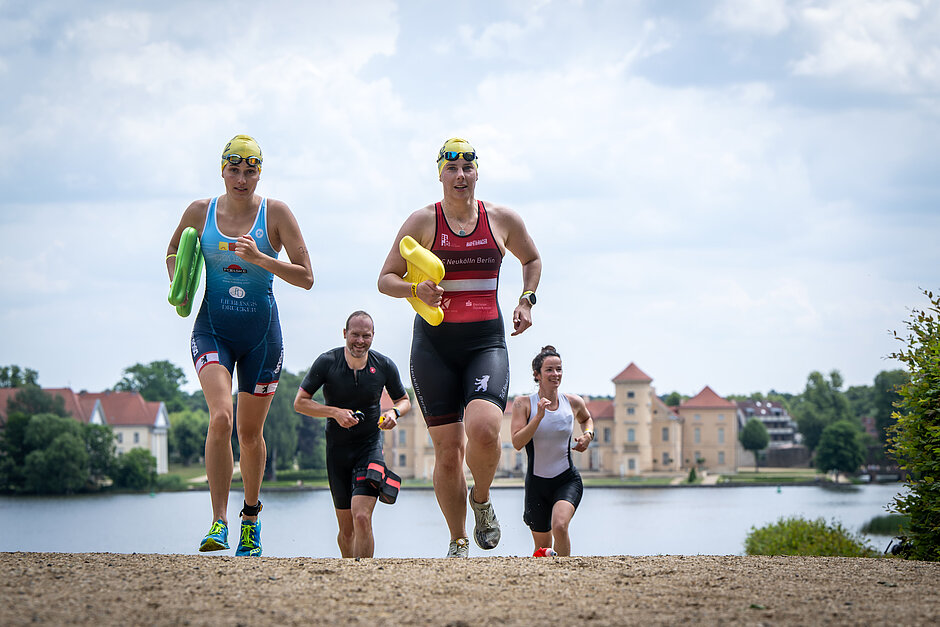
(550, 450)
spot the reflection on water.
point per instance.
(610, 521)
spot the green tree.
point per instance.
(861, 401)
(280, 427)
(311, 439)
(135, 470)
(99, 444)
(841, 448)
(915, 438)
(821, 404)
(16, 377)
(672, 399)
(754, 438)
(156, 381)
(886, 394)
(187, 441)
(57, 460)
(31, 400)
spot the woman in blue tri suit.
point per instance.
(237, 327)
(543, 423)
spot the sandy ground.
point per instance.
(117, 589)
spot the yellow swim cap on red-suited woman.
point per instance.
(244, 146)
(454, 144)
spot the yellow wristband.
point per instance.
(414, 290)
(170, 255)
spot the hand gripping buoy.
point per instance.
(422, 265)
(188, 272)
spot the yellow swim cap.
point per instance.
(244, 146)
(456, 145)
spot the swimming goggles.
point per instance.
(236, 159)
(451, 155)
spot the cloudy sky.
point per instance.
(727, 193)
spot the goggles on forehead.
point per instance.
(236, 159)
(451, 155)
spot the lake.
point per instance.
(609, 521)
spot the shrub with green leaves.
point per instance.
(798, 536)
(915, 437)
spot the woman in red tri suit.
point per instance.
(460, 368)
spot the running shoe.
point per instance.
(216, 539)
(459, 548)
(486, 531)
(250, 541)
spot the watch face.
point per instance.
(530, 297)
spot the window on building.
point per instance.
(698, 416)
(631, 411)
(721, 458)
(402, 458)
(721, 435)
(402, 437)
(721, 417)
(630, 394)
(666, 459)
(136, 437)
(698, 435)
(595, 459)
(665, 434)
(631, 464)
(120, 438)
(631, 435)
(606, 435)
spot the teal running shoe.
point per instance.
(250, 541)
(216, 539)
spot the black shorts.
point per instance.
(345, 462)
(541, 495)
(454, 363)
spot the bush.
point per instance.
(915, 437)
(692, 476)
(798, 536)
(170, 483)
(135, 470)
(301, 475)
(889, 525)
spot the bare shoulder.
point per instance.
(420, 225)
(195, 214)
(278, 208)
(501, 215)
(521, 401)
(576, 401)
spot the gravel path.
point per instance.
(116, 589)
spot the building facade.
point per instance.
(635, 434)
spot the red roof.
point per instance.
(601, 408)
(632, 373)
(124, 408)
(119, 408)
(707, 399)
(73, 404)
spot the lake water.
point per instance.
(609, 521)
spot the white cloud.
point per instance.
(890, 46)
(767, 17)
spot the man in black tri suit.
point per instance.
(352, 378)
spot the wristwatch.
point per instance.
(397, 413)
(528, 296)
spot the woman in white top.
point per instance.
(543, 423)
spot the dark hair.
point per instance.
(547, 351)
(357, 314)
